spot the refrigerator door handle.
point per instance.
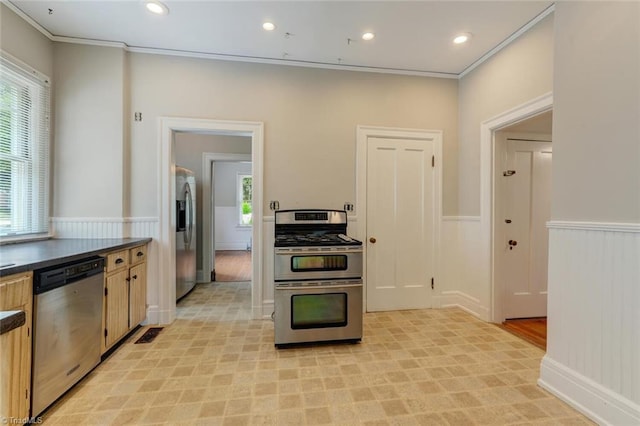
(180, 216)
(189, 232)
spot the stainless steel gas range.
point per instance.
(318, 278)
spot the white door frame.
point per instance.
(487, 185)
(208, 241)
(167, 126)
(499, 207)
(363, 133)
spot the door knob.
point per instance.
(512, 244)
(372, 240)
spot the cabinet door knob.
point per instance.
(119, 261)
(372, 240)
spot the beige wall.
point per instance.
(310, 118)
(520, 72)
(24, 42)
(226, 181)
(596, 158)
(89, 165)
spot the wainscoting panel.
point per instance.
(118, 227)
(462, 258)
(104, 227)
(268, 238)
(593, 341)
(79, 227)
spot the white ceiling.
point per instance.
(412, 37)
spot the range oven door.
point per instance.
(317, 263)
(318, 311)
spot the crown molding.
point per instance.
(513, 37)
(90, 42)
(289, 62)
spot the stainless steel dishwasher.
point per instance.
(67, 326)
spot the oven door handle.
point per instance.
(322, 287)
(324, 252)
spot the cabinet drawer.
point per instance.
(15, 291)
(137, 255)
(117, 260)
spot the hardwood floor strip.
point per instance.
(233, 265)
(533, 330)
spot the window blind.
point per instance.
(24, 150)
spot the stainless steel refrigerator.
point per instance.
(185, 231)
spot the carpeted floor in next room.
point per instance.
(216, 366)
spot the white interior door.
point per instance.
(528, 208)
(400, 223)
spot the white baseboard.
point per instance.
(267, 310)
(153, 316)
(458, 299)
(202, 276)
(157, 316)
(592, 399)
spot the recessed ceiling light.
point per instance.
(154, 6)
(269, 26)
(462, 38)
(368, 36)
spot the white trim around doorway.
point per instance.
(167, 126)
(487, 188)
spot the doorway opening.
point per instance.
(516, 186)
(522, 209)
(168, 128)
(227, 227)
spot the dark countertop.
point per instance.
(22, 257)
(10, 320)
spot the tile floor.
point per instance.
(216, 366)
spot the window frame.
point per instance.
(27, 200)
(240, 196)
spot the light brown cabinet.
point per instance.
(15, 348)
(125, 293)
(137, 285)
